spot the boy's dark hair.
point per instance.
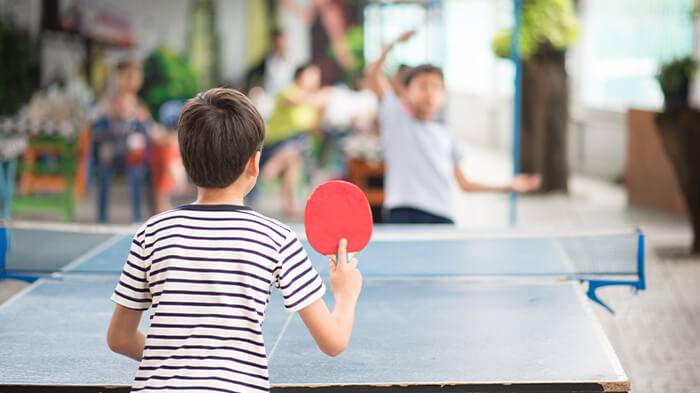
(422, 69)
(300, 70)
(126, 64)
(276, 32)
(219, 130)
(401, 73)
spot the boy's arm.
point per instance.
(332, 330)
(376, 80)
(520, 183)
(317, 99)
(124, 336)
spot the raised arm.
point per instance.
(520, 183)
(332, 330)
(373, 71)
(317, 99)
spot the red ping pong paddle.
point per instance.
(337, 210)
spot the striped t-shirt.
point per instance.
(206, 271)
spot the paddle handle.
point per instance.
(334, 256)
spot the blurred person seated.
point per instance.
(168, 174)
(279, 70)
(295, 118)
(121, 140)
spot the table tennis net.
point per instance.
(395, 254)
(563, 256)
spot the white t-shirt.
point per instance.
(420, 158)
(279, 74)
(206, 272)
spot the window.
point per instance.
(470, 64)
(385, 22)
(623, 44)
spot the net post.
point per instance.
(641, 283)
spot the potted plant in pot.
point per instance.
(679, 131)
(548, 28)
(674, 78)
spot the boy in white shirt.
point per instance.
(421, 155)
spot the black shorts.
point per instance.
(410, 215)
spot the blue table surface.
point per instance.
(418, 328)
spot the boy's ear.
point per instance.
(253, 166)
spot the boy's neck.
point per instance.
(231, 195)
(423, 116)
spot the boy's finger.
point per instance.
(342, 247)
(353, 263)
(332, 266)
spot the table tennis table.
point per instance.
(441, 310)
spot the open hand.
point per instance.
(526, 183)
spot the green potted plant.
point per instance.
(545, 23)
(679, 131)
(547, 29)
(167, 76)
(675, 77)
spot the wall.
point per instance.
(597, 138)
(486, 121)
(598, 143)
(153, 22)
(232, 32)
(25, 13)
(298, 34)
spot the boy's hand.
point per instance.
(402, 38)
(406, 36)
(526, 183)
(346, 280)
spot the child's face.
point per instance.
(310, 79)
(130, 79)
(426, 95)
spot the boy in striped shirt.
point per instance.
(206, 270)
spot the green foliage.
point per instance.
(19, 67)
(677, 73)
(355, 40)
(552, 22)
(167, 76)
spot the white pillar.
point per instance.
(695, 87)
